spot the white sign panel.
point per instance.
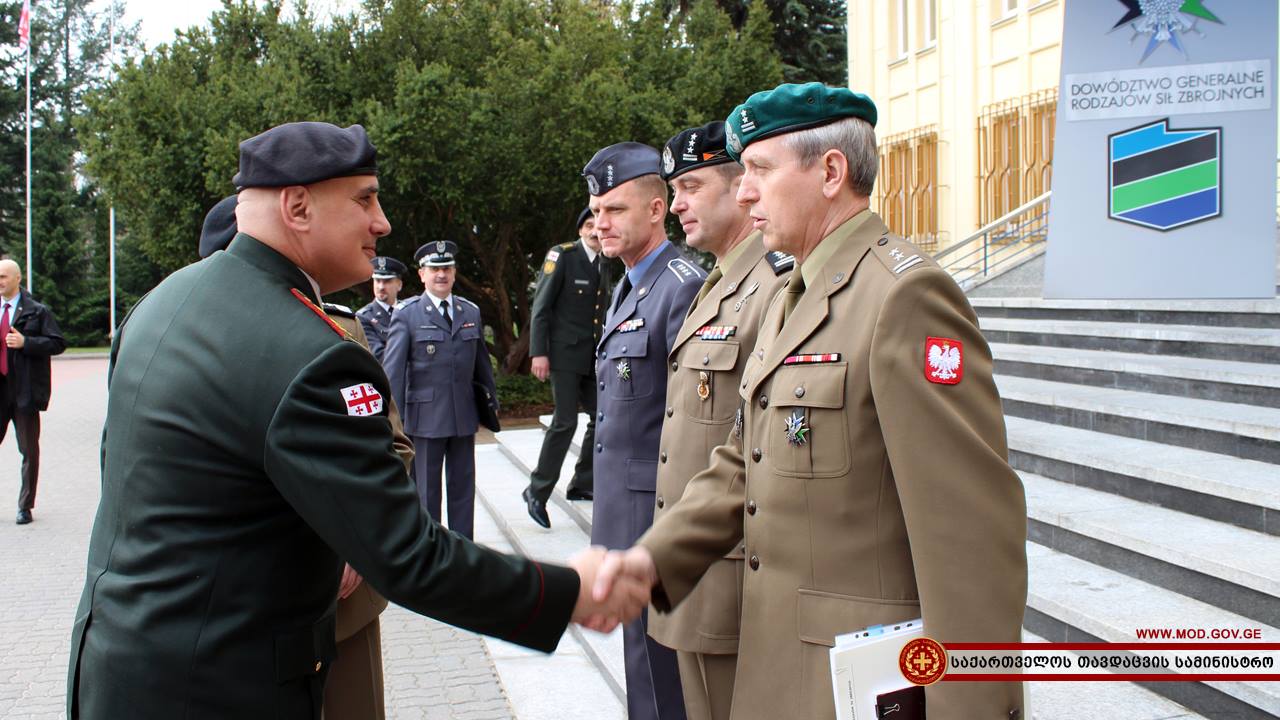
(1172, 90)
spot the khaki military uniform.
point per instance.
(702, 400)
(896, 501)
(354, 687)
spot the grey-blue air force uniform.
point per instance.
(432, 366)
(375, 320)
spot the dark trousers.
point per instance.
(27, 425)
(569, 390)
(653, 675)
(457, 457)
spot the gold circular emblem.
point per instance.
(923, 661)
(704, 385)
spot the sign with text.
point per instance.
(1164, 175)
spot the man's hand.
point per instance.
(15, 339)
(625, 600)
(633, 566)
(541, 367)
(350, 581)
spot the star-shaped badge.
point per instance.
(624, 369)
(797, 431)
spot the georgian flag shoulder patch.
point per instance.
(362, 400)
(943, 360)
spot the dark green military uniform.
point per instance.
(568, 311)
(246, 449)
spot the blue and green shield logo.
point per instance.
(1164, 179)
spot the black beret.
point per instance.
(619, 163)
(303, 153)
(583, 216)
(441, 253)
(385, 268)
(219, 227)
(694, 148)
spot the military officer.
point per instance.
(247, 447)
(573, 289)
(629, 201)
(869, 479)
(354, 688)
(388, 274)
(702, 394)
(435, 358)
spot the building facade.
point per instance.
(967, 93)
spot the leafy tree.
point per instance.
(483, 111)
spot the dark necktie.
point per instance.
(4, 333)
(444, 310)
(622, 294)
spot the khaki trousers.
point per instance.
(708, 684)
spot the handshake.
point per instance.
(615, 586)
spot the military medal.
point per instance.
(624, 369)
(716, 332)
(797, 431)
(737, 423)
(704, 385)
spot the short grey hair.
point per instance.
(854, 137)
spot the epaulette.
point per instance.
(683, 270)
(336, 309)
(462, 299)
(780, 261)
(568, 245)
(407, 302)
(316, 309)
(898, 255)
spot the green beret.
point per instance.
(790, 107)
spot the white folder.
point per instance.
(864, 665)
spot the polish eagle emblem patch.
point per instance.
(944, 361)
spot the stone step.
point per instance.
(1246, 344)
(1262, 313)
(498, 487)
(1227, 566)
(522, 447)
(1245, 431)
(1222, 380)
(1240, 492)
(1076, 700)
(1071, 600)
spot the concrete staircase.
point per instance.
(1147, 434)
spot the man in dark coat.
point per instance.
(569, 306)
(31, 336)
(247, 448)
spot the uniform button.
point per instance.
(599, 447)
(663, 457)
(319, 665)
(624, 348)
(1015, 714)
(670, 410)
(674, 366)
(600, 417)
(764, 401)
(755, 562)
(706, 359)
(601, 384)
(882, 241)
(755, 455)
(751, 507)
(660, 502)
(839, 277)
(799, 392)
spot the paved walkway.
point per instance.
(433, 671)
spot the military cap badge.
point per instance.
(668, 161)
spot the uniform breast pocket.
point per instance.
(427, 344)
(709, 389)
(808, 427)
(627, 369)
(469, 333)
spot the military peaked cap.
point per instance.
(441, 253)
(219, 227)
(694, 148)
(386, 268)
(619, 163)
(790, 107)
(303, 153)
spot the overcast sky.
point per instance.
(160, 18)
